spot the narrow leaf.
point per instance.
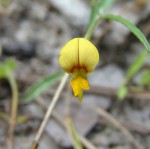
(122, 92)
(41, 86)
(132, 28)
(137, 64)
(145, 79)
(74, 135)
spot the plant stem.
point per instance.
(91, 29)
(14, 109)
(49, 111)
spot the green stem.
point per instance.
(14, 109)
(91, 29)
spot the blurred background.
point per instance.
(32, 32)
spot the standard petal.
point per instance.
(88, 54)
(69, 55)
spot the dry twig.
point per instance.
(107, 91)
(113, 121)
(130, 126)
(49, 112)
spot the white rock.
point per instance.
(75, 10)
(109, 76)
(96, 101)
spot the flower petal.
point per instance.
(79, 52)
(88, 54)
(69, 55)
(78, 84)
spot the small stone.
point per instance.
(96, 101)
(77, 12)
(109, 76)
(58, 134)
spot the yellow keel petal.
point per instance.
(79, 83)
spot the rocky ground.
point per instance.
(33, 32)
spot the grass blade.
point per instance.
(73, 133)
(122, 92)
(135, 67)
(131, 27)
(145, 79)
(41, 86)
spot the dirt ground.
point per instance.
(33, 32)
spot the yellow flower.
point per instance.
(78, 58)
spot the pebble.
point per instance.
(108, 76)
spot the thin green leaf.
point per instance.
(74, 134)
(122, 92)
(145, 79)
(137, 64)
(41, 86)
(132, 28)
